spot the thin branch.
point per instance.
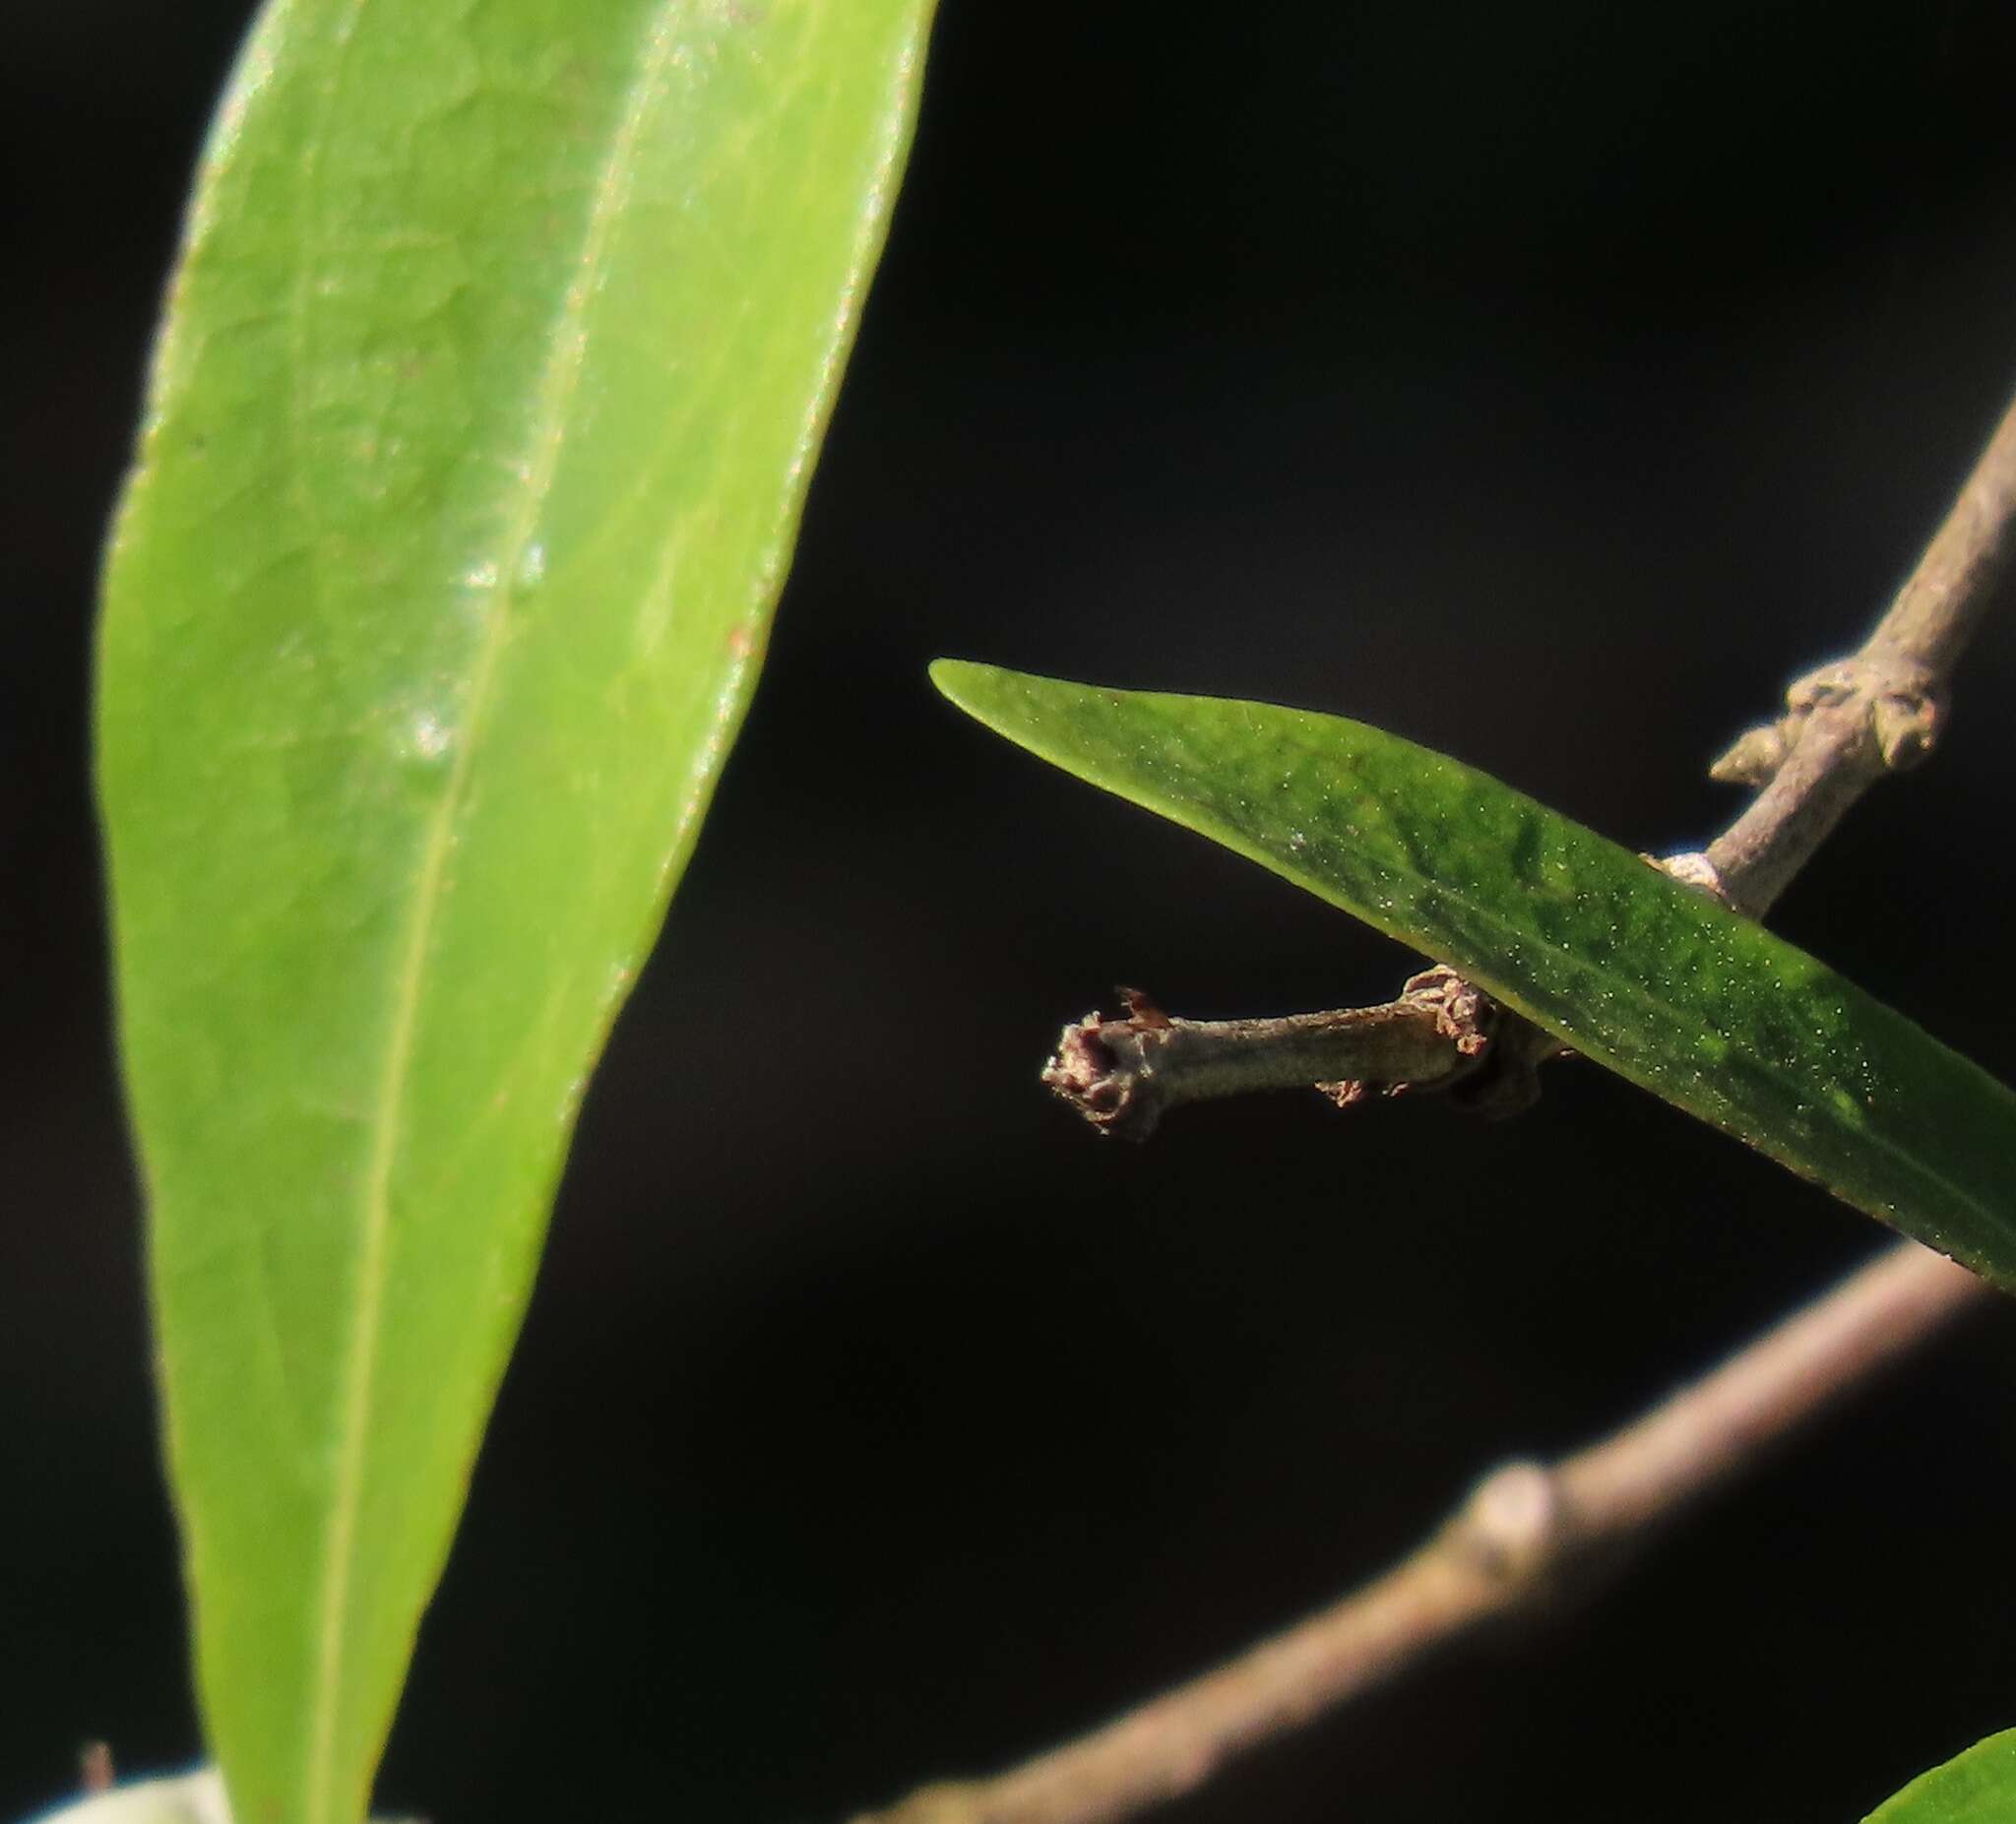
(1124, 1075)
(1880, 710)
(1529, 1530)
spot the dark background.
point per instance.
(1546, 383)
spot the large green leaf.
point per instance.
(1645, 977)
(501, 348)
(1978, 1786)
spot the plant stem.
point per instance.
(1529, 1530)
(1879, 710)
(1122, 1075)
(1526, 1533)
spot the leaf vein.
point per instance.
(558, 386)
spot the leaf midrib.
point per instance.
(557, 387)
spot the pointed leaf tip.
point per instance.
(959, 680)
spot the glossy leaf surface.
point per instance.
(1978, 1786)
(490, 379)
(1640, 973)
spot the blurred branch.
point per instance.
(1529, 1530)
(1527, 1535)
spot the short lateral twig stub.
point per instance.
(1122, 1075)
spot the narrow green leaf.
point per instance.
(1978, 1786)
(1641, 975)
(499, 351)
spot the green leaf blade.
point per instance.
(1645, 977)
(1977, 1786)
(491, 378)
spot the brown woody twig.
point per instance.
(1124, 1075)
(1527, 1531)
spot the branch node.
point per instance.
(1753, 757)
(1461, 1014)
(1510, 1529)
(1695, 870)
(1907, 725)
(1899, 696)
(1896, 698)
